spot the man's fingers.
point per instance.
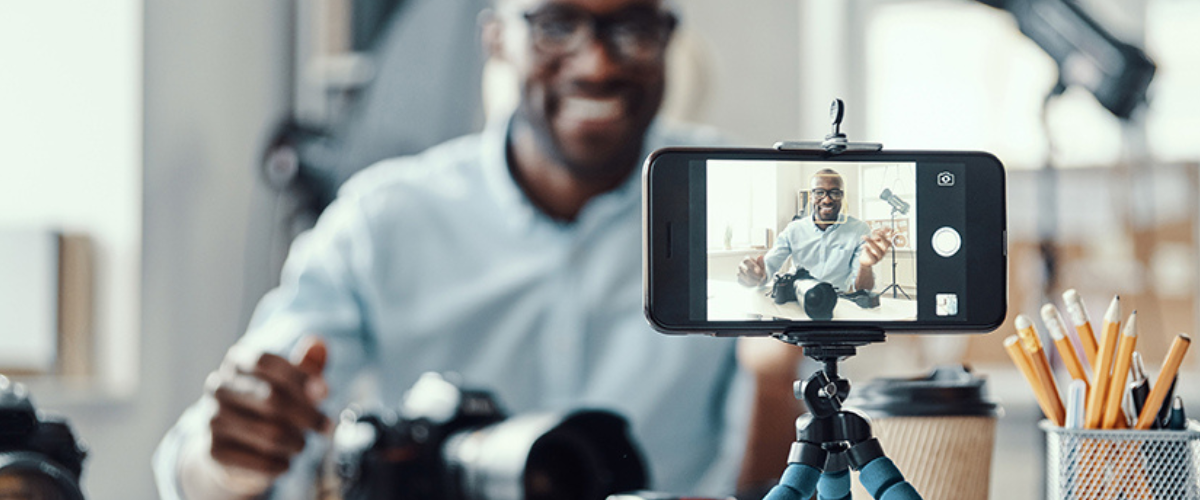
(278, 404)
(233, 454)
(752, 271)
(270, 438)
(310, 355)
(873, 251)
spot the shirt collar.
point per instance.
(812, 224)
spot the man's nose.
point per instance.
(594, 61)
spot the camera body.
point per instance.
(446, 442)
(784, 288)
(38, 451)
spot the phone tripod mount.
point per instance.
(830, 439)
(834, 143)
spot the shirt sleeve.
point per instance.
(861, 229)
(319, 294)
(778, 253)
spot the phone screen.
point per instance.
(752, 241)
(798, 240)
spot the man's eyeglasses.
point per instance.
(833, 194)
(636, 35)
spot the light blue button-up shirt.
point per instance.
(439, 262)
(830, 255)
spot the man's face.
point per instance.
(826, 208)
(589, 103)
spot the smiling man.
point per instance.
(832, 246)
(511, 257)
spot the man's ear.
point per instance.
(492, 34)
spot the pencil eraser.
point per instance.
(1023, 322)
(1053, 323)
(1075, 307)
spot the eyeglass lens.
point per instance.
(637, 34)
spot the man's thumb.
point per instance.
(310, 355)
(760, 259)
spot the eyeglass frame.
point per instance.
(600, 28)
(841, 193)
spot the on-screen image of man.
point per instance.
(833, 246)
(510, 257)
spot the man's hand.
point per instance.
(752, 272)
(875, 246)
(265, 404)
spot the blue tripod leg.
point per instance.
(884, 481)
(834, 486)
(797, 483)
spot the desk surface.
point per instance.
(731, 301)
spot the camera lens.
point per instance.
(561, 467)
(25, 485)
(584, 455)
(27, 477)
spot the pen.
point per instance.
(1037, 358)
(1012, 346)
(1083, 325)
(1170, 368)
(1120, 373)
(1165, 411)
(1066, 351)
(1108, 345)
(1178, 420)
(1139, 385)
(1076, 392)
(1128, 414)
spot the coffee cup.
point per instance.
(939, 430)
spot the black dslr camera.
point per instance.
(449, 443)
(817, 297)
(39, 457)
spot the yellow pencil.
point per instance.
(1108, 345)
(1066, 351)
(1083, 325)
(1011, 344)
(1170, 368)
(1037, 358)
(1120, 373)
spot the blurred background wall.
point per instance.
(140, 126)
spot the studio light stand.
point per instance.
(830, 439)
(894, 287)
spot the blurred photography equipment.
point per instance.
(39, 456)
(1117, 73)
(447, 442)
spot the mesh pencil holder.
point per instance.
(1122, 464)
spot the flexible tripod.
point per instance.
(831, 440)
(894, 287)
